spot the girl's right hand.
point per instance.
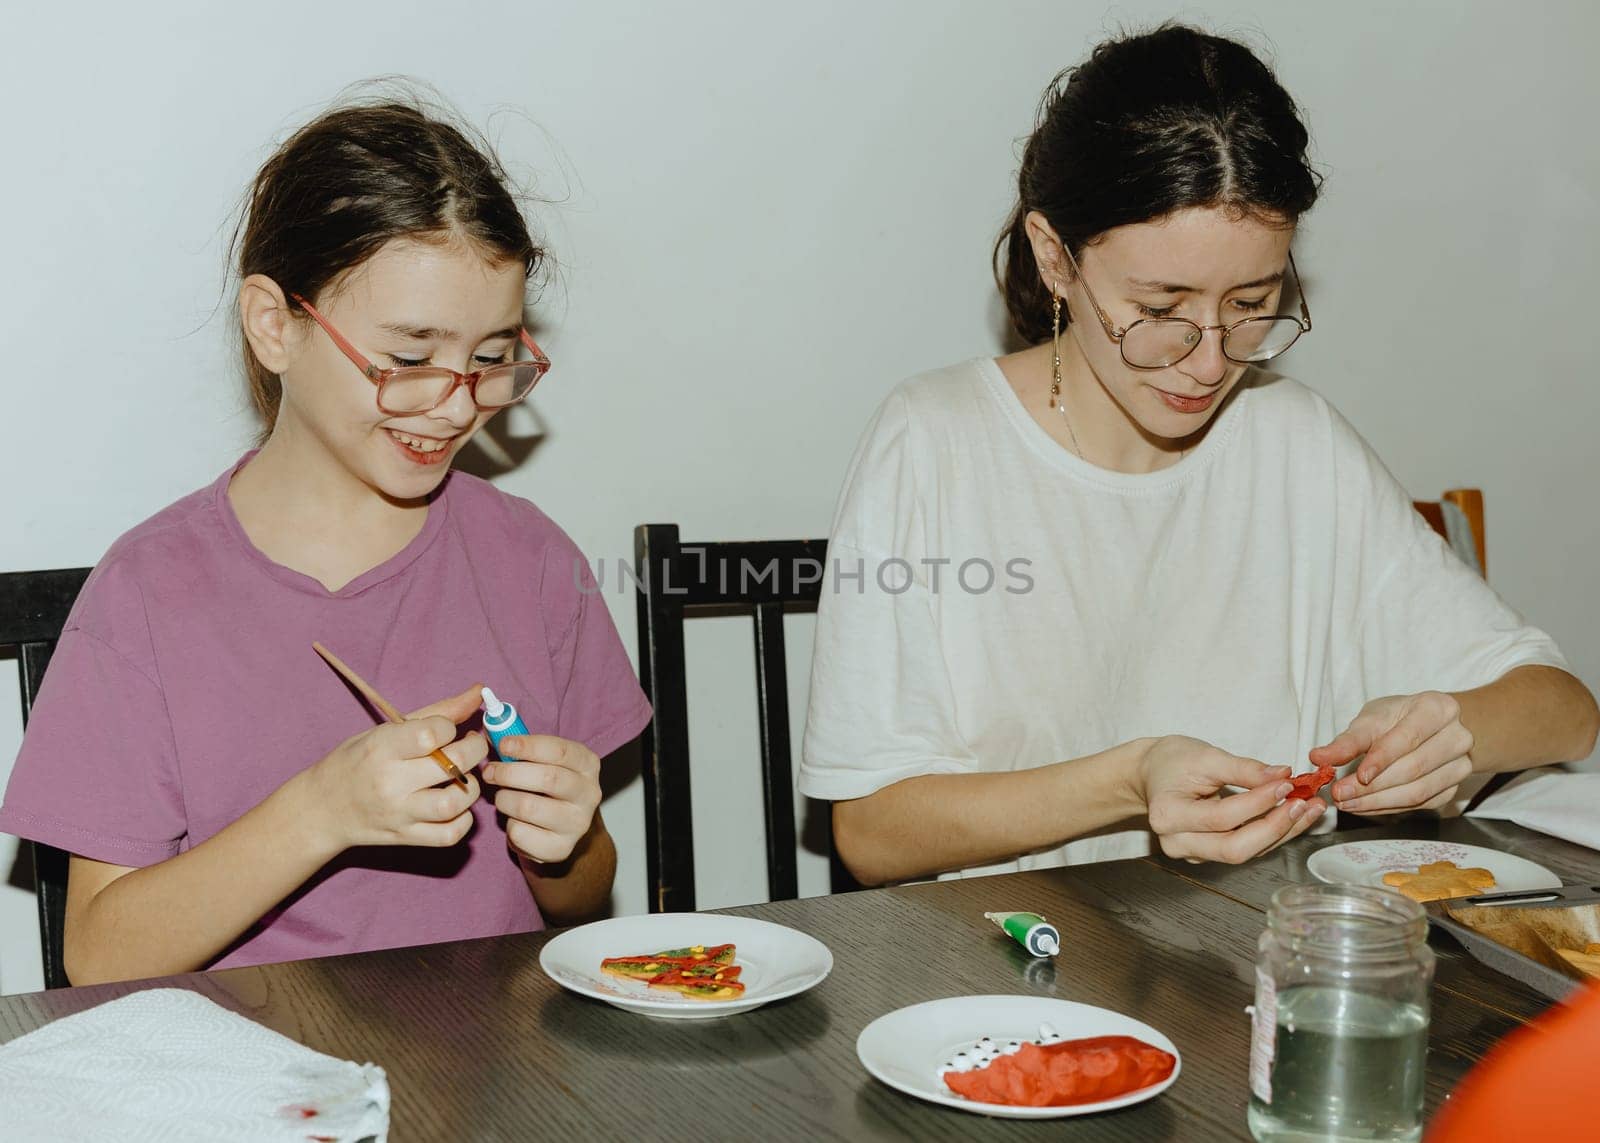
(1181, 779)
(381, 787)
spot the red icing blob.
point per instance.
(1307, 785)
(1073, 1071)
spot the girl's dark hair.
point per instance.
(355, 178)
(1147, 125)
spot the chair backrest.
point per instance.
(1459, 503)
(33, 610)
(677, 580)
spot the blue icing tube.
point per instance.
(500, 719)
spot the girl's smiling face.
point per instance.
(1207, 264)
(412, 303)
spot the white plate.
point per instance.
(1365, 863)
(777, 961)
(905, 1049)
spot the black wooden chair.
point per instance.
(677, 581)
(33, 610)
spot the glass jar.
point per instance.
(1341, 1016)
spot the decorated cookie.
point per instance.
(700, 972)
(696, 985)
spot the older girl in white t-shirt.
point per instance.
(1079, 592)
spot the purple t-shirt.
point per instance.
(184, 690)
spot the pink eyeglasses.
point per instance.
(409, 389)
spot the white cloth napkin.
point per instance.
(170, 1065)
(1552, 801)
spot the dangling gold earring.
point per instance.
(1056, 402)
(1055, 343)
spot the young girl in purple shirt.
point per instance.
(228, 800)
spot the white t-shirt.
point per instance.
(1255, 595)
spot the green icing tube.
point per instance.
(1029, 930)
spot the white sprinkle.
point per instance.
(961, 1063)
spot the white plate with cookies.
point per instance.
(773, 961)
(1430, 870)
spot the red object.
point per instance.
(1307, 785)
(1536, 1084)
(721, 986)
(1073, 1071)
(670, 959)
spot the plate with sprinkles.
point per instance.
(1366, 863)
(1018, 1057)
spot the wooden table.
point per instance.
(480, 1045)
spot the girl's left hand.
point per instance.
(548, 797)
(1416, 755)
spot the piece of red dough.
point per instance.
(1307, 785)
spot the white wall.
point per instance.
(767, 216)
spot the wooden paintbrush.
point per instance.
(383, 707)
